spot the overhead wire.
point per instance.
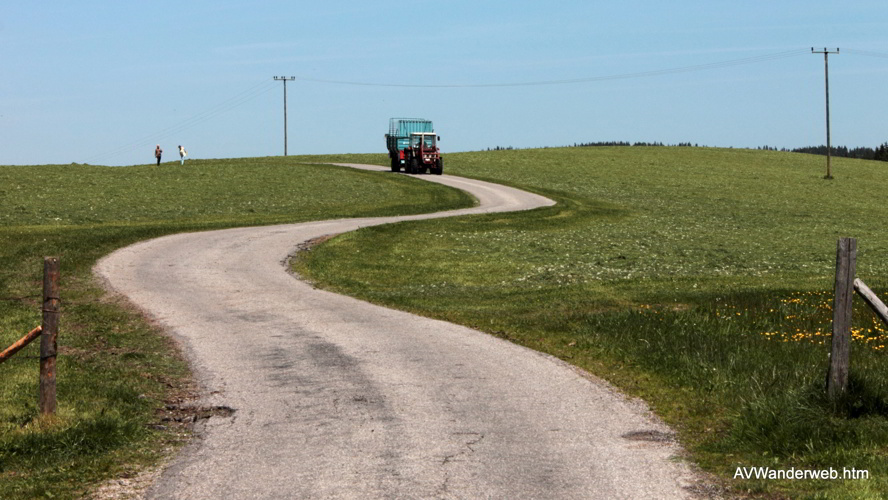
(622, 76)
(868, 53)
(261, 88)
(222, 107)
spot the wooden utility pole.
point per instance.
(285, 79)
(840, 353)
(826, 54)
(46, 398)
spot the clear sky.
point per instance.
(102, 82)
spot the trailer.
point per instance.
(413, 146)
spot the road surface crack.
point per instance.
(469, 444)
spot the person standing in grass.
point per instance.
(157, 154)
(182, 154)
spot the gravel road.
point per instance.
(336, 398)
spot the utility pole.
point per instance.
(826, 54)
(285, 79)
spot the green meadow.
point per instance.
(698, 279)
(117, 373)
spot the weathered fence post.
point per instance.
(46, 398)
(840, 354)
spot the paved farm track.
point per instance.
(337, 398)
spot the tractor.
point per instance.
(413, 146)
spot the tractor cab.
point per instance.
(423, 154)
(424, 141)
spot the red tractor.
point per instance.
(423, 154)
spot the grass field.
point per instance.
(116, 372)
(699, 279)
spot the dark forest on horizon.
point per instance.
(879, 153)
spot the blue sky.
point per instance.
(103, 82)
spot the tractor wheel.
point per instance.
(396, 164)
(414, 166)
(439, 167)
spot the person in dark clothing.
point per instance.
(157, 153)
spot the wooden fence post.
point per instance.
(46, 398)
(840, 354)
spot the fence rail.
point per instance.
(872, 299)
(20, 344)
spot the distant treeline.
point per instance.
(623, 143)
(610, 143)
(863, 153)
(880, 153)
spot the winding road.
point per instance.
(337, 398)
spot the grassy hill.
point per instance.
(697, 278)
(116, 373)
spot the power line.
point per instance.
(623, 76)
(868, 53)
(222, 107)
(259, 89)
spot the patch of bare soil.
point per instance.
(179, 418)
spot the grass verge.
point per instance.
(116, 372)
(696, 278)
